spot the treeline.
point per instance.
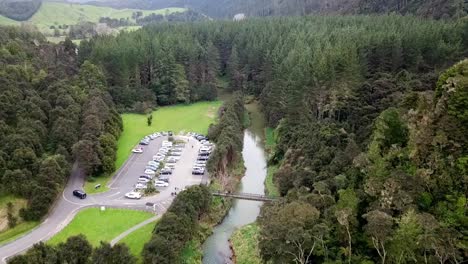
(19, 10)
(51, 113)
(228, 135)
(76, 250)
(178, 226)
(149, 69)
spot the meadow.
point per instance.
(136, 240)
(99, 225)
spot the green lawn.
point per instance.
(137, 239)
(245, 244)
(54, 13)
(271, 188)
(99, 225)
(17, 231)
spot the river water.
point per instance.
(216, 248)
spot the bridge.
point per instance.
(245, 196)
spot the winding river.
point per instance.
(216, 249)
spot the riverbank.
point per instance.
(245, 245)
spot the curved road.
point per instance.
(66, 207)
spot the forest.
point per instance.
(370, 118)
(52, 113)
(369, 122)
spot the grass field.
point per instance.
(270, 186)
(53, 13)
(137, 239)
(245, 245)
(99, 225)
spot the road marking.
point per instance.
(112, 195)
(81, 205)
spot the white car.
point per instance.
(139, 186)
(150, 172)
(137, 150)
(161, 184)
(143, 180)
(153, 163)
(133, 195)
(158, 158)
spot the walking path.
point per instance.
(133, 228)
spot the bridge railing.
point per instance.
(247, 196)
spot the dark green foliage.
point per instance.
(44, 105)
(76, 250)
(118, 254)
(19, 10)
(227, 134)
(178, 226)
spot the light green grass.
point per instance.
(136, 240)
(89, 184)
(99, 225)
(192, 254)
(270, 139)
(5, 21)
(271, 187)
(194, 117)
(245, 245)
(54, 13)
(17, 231)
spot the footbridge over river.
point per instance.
(246, 196)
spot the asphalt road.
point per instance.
(66, 207)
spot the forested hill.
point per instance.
(228, 8)
(19, 9)
(370, 129)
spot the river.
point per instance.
(216, 248)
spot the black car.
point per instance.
(204, 154)
(202, 158)
(166, 172)
(198, 172)
(79, 194)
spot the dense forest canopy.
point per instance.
(20, 10)
(371, 142)
(51, 113)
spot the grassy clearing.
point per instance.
(137, 239)
(245, 244)
(17, 231)
(54, 14)
(99, 225)
(270, 139)
(270, 186)
(192, 253)
(93, 181)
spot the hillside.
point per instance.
(227, 8)
(53, 15)
(19, 9)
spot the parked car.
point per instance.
(80, 194)
(137, 150)
(170, 165)
(158, 158)
(166, 171)
(176, 154)
(151, 167)
(198, 171)
(146, 177)
(140, 186)
(133, 195)
(161, 184)
(150, 172)
(164, 178)
(203, 158)
(172, 159)
(153, 163)
(200, 162)
(204, 154)
(143, 180)
(144, 142)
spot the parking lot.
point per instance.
(181, 177)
